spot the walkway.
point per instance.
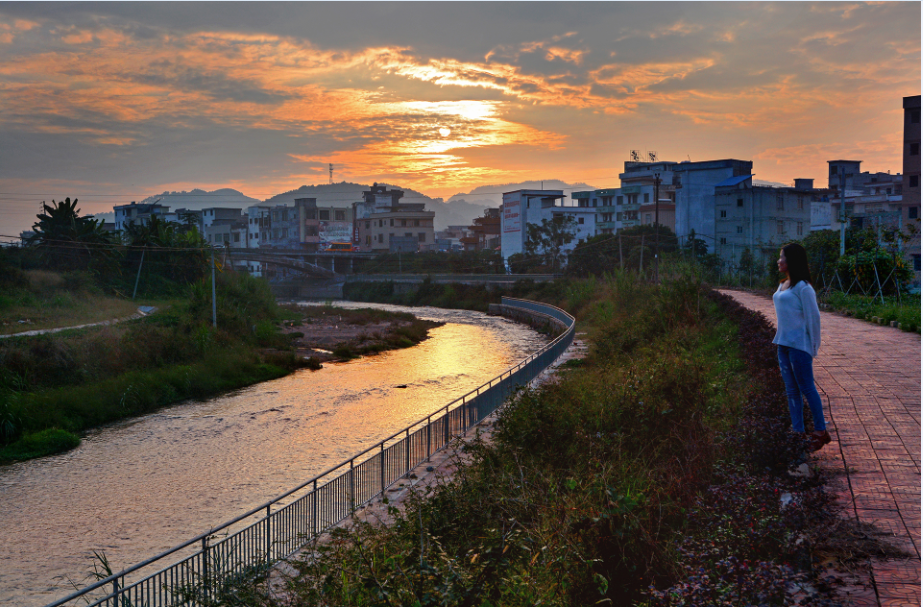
(869, 379)
(142, 312)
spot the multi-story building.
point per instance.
(484, 232)
(524, 207)
(321, 226)
(616, 208)
(694, 184)
(403, 221)
(761, 218)
(134, 213)
(219, 214)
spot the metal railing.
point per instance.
(203, 566)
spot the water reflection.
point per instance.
(139, 487)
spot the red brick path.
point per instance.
(869, 379)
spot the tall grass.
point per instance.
(904, 309)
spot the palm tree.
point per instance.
(69, 242)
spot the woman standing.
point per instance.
(798, 338)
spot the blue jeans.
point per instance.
(798, 374)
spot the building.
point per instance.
(694, 185)
(484, 232)
(229, 233)
(664, 214)
(761, 219)
(617, 208)
(128, 214)
(381, 216)
(524, 207)
(404, 221)
(321, 226)
(220, 214)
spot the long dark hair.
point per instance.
(796, 258)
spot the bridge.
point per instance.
(316, 264)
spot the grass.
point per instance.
(47, 300)
(905, 310)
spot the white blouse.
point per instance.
(797, 318)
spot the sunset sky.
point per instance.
(114, 102)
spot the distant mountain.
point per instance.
(492, 195)
(200, 199)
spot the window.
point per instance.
(647, 198)
(421, 236)
(339, 215)
(915, 116)
(780, 227)
(368, 225)
(408, 235)
(740, 202)
(618, 217)
(324, 215)
(416, 223)
(832, 170)
(618, 200)
(403, 223)
(580, 221)
(724, 241)
(913, 212)
(914, 181)
(780, 202)
(724, 214)
(800, 229)
(740, 229)
(236, 236)
(310, 214)
(916, 262)
(392, 222)
(914, 149)
(381, 238)
(800, 203)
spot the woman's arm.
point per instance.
(811, 316)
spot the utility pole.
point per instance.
(657, 228)
(138, 278)
(842, 213)
(214, 303)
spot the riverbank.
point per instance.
(54, 387)
(654, 473)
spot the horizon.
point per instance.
(115, 102)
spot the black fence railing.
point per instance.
(195, 572)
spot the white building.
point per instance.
(523, 207)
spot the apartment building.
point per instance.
(522, 207)
(402, 223)
(761, 218)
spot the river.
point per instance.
(136, 488)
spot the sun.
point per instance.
(445, 132)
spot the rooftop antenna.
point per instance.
(331, 172)
(635, 156)
(652, 156)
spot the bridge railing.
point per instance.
(197, 571)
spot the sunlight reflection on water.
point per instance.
(137, 488)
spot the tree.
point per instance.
(67, 241)
(695, 247)
(548, 239)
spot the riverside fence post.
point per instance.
(314, 509)
(352, 486)
(268, 534)
(206, 582)
(381, 466)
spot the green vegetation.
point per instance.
(650, 474)
(75, 380)
(905, 309)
